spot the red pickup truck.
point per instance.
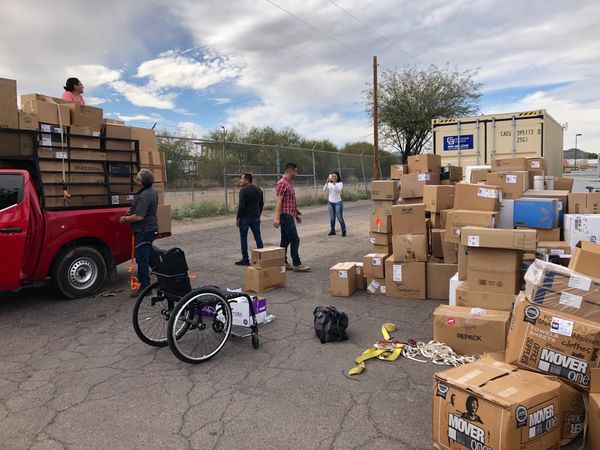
(75, 249)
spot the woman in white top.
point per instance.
(334, 188)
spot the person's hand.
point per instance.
(299, 219)
(237, 222)
(122, 219)
(276, 222)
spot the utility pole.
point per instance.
(375, 127)
(576, 136)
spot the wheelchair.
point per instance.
(194, 323)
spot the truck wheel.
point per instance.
(79, 272)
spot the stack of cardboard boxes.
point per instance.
(267, 269)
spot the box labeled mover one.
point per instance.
(342, 279)
(498, 238)
(380, 238)
(495, 270)
(438, 198)
(458, 219)
(376, 286)
(439, 274)
(373, 265)
(470, 331)
(509, 164)
(469, 296)
(584, 203)
(411, 186)
(513, 184)
(405, 279)
(381, 223)
(581, 227)
(409, 219)
(258, 280)
(553, 342)
(410, 247)
(261, 258)
(475, 197)
(384, 190)
(397, 170)
(424, 163)
(490, 405)
(537, 213)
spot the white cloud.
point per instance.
(191, 129)
(221, 101)
(92, 75)
(94, 101)
(135, 118)
(144, 96)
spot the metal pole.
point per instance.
(314, 172)
(339, 166)
(576, 136)
(225, 174)
(376, 166)
(277, 152)
(362, 165)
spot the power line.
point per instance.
(333, 38)
(366, 25)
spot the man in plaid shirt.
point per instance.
(285, 215)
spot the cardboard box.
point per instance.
(584, 203)
(409, 219)
(9, 117)
(424, 163)
(397, 170)
(581, 227)
(405, 279)
(477, 198)
(439, 274)
(560, 248)
(506, 216)
(28, 121)
(411, 186)
(572, 412)
(383, 249)
(261, 258)
(84, 137)
(469, 297)
(342, 279)
(444, 217)
(112, 122)
(563, 184)
(453, 285)
(462, 218)
(498, 238)
(385, 190)
(374, 265)
(513, 184)
(259, 280)
(410, 247)
(11, 144)
(463, 261)
(477, 176)
(436, 219)
(450, 252)
(553, 342)
(121, 157)
(146, 138)
(380, 239)
(163, 215)
(593, 411)
(586, 259)
(73, 166)
(536, 164)
(48, 109)
(240, 310)
(438, 198)
(113, 133)
(537, 213)
(437, 239)
(383, 207)
(376, 286)
(452, 173)
(57, 153)
(470, 331)
(551, 234)
(490, 405)
(361, 281)
(509, 164)
(85, 116)
(562, 196)
(495, 270)
(381, 223)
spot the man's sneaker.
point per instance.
(331, 233)
(301, 268)
(288, 266)
(343, 234)
(242, 262)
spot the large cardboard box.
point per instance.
(405, 279)
(410, 247)
(477, 198)
(376, 286)
(409, 219)
(58, 153)
(463, 262)
(438, 198)
(470, 331)
(513, 184)
(586, 259)
(48, 109)
(381, 223)
(73, 166)
(146, 138)
(342, 279)
(439, 274)
(452, 173)
(509, 164)
(380, 238)
(261, 258)
(374, 265)
(490, 405)
(535, 167)
(450, 252)
(572, 412)
(458, 219)
(593, 411)
(383, 207)
(85, 116)
(384, 190)
(259, 280)
(411, 185)
(163, 215)
(477, 175)
(424, 163)
(560, 248)
(562, 196)
(397, 170)
(8, 104)
(113, 134)
(543, 234)
(495, 270)
(437, 239)
(537, 212)
(361, 281)
(384, 249)
(563, 184)
(469, 296)
(584, 203)
(553, 342)
(28, 121)
(581, 227)
(499, 238)
(84, 137)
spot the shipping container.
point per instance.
(478, 140)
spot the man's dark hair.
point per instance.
(71, 83)
(247, 176)
(290, 166)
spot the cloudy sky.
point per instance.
(197, 65)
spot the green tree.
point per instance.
(178, 154)
(409, 100)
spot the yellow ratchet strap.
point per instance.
(387, 349)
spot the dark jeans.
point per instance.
(142, 256)
(254, 225)
(336, 209)
(289, 236)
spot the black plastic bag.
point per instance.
(330, 324)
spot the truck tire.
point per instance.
(79, 272)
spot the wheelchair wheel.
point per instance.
(150, 316)
(205, 318)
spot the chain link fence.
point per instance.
(204, 170)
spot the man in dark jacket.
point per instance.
(250, 208)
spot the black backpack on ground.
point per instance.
(330, 324)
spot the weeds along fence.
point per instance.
(203, 175)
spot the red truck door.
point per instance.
(14, 222)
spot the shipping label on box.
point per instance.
(376, 286)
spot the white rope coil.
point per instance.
(437, 352)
